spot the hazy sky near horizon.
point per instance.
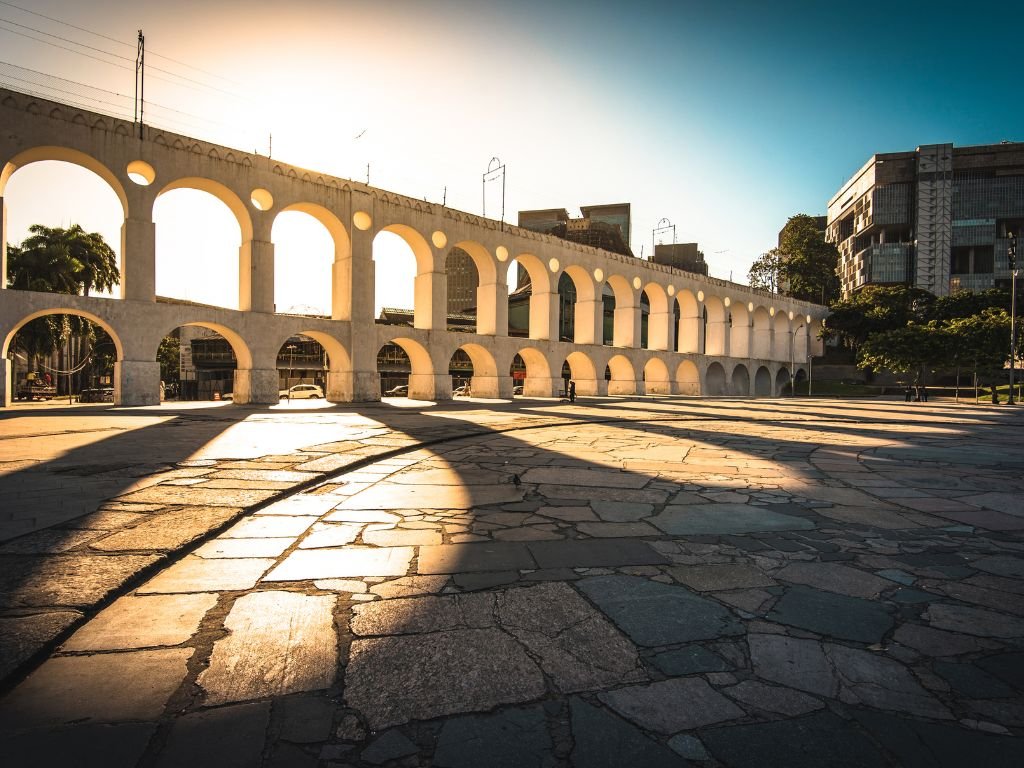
(723, 117)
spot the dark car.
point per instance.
(97, 395)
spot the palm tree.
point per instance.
(74, 260)
(56, 260)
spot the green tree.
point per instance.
(75, 261)
(168, 354)
(809, 263)
(56, 260)
(766, 272)
(981, 342)
(876, 309)
(908, 351)
(968, 303)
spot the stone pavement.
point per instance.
(645, 582)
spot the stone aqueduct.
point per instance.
(731, 339)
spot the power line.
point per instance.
(187, 120)
(213, 88)
(64, 39)
(115, 40)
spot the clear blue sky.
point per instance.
(725, 117)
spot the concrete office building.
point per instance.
(685, 256)
(935, 218)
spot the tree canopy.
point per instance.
(56, 260)
(809, 263)
(766, 272)
(803, 266)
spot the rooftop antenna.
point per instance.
(495, 168)
(140, 80)
(663, 225)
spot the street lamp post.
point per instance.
(1011, 254)
(792, 362)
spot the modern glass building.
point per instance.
(935, 218)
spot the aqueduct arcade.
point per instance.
(704, 336)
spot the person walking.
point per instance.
(572, 391)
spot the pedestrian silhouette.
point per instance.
(572, 391)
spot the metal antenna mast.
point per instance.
(494, 169)
(140, 81)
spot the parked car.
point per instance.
(462, 391)
(517, 390)
(402, 390)
(97, 395)
(303, 392)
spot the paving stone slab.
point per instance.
(920, 744)
(81, 746)
(616, 530)
(576, 646)
(221, 548)
(417, 615)
(594, 553)
(654, 614)
(689, 660)
(168, 531)
(304, 719)
(213, 497)
(1006, 666)
(670, 706)
(974, 621)
(869, 678)
(934, 642)
(588, 494)
(66, 580)
(474, 556)
(196, 574)
(834, 577)
(810, 742)
(703, 519)
(793, 662)
(226, 737)
(510, 738)
(48, 542)
(392, 680)
(832, 615)
(971, 682)
(621, 511)
(394, 496)
(712, 578)
(143, 622)
(268, 526)
(390, 745)
(346, 562)
(21, 637)
(398, 537)
(771, 698)
(602, 740)
(279, 643)
(105, 688)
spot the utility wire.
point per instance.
(178, 118)
(213, 88)
(115, 40)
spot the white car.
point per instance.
(303, 392)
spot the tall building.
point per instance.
(463, 280)
(685, 256)
(601, 226)
(935, 218)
